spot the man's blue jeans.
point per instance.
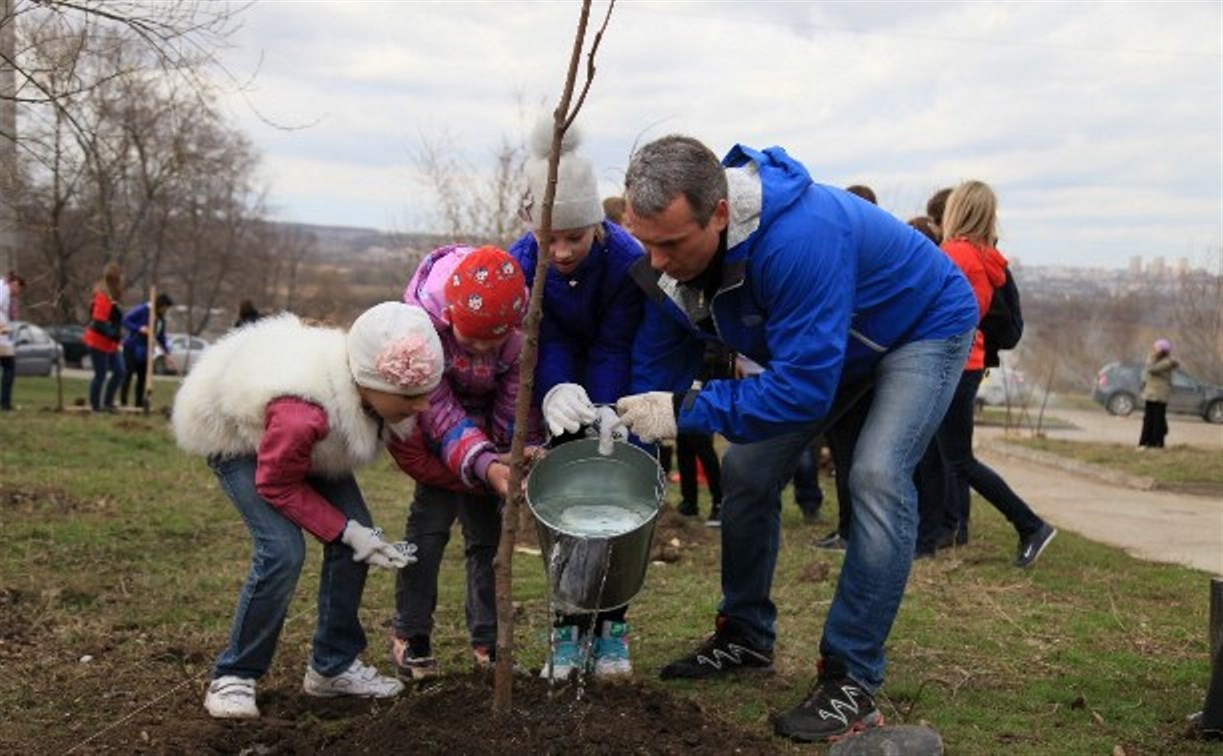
(279, 552)
(912, 387)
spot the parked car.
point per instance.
(36, 352)
(72, 338)
(1002, 386)
(1119, 390)
(184, 348)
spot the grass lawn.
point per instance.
(1178, 467)
(120, 547)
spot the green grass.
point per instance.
(119, 546)
(1177, 466)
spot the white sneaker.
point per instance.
(231, 697)
(357, 680)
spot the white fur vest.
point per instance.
(220, 407)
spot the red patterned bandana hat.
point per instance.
(486, 294)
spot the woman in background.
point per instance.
(1156, 388)
(102, 337)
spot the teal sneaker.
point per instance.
(611, 651)
(566, 657)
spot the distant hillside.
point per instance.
(344, 244)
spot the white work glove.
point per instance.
(367, 546)
(610, 429)
(651, 416)
(567, 408)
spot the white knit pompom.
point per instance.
(541, 139)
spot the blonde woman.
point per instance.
(970, 233)
(103, 336)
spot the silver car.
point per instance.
(37, 353)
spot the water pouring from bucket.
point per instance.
(595, 514)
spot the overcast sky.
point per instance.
(1099, 125)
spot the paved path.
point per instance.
(1154, 525)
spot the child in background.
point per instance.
(591, 311)
(136, 345)
(458, 453)
(285, 412)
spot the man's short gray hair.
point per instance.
(668, 167)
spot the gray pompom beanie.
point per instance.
(577, 203)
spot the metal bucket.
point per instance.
(595, 515)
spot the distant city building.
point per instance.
(1136, 265)
(1157, 268)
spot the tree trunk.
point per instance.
(503, 675)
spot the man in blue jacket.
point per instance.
(822, 289)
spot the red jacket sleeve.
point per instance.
(291, 428)
(415, 459)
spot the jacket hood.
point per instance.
(760, 185)
(995, 266)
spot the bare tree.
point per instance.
(473, 207)
(180, 37)
(1198, 316)
(563, 117)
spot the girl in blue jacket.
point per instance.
(136, 345)
(591, 310)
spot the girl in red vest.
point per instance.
(103, 335)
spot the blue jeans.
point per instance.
(104, 362)
(276, 564)
(912, 387)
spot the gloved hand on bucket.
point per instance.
(610, 429)
(367, 546)
(567, 408)
(651, 416)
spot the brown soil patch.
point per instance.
(450, 715)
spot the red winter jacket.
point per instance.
(985, 269)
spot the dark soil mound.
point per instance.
(452, 715)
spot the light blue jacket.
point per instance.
(817, 286)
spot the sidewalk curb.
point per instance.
(1115, 477)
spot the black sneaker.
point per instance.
(723, 652)
(836, 706)
(688, 509)
(715, 517)
(1031, 547)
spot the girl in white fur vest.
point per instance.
(285, 412)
